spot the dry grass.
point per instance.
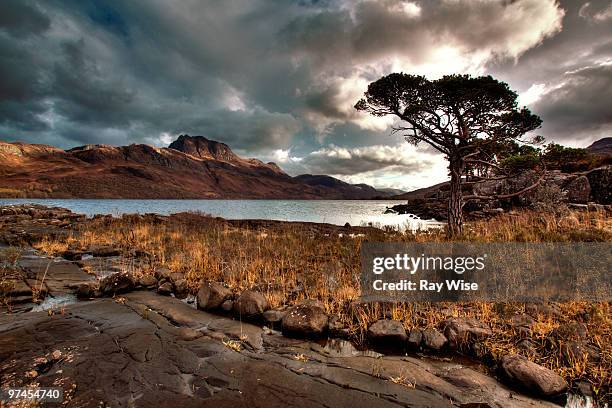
(289, 262)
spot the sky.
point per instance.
(278, 79)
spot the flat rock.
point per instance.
(170, 354)
(60, 276)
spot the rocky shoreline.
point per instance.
(132, 340)
(585, 191)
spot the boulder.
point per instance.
(147, 281)
(181, 288)
(578, 190)
(165, 289)
(461, 330)
(72, 255)
(570, 331)
(116, 283)
(306, 319)
(577, 351)
(227, 306)
(387, 332)
(212, 295)
(87, 291)
(273, 316)
(433, 339)
(533, 377)
(535, 309)
(415, 338)
(600, 181)
(250, 304)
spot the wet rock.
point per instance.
(147, 281)
(165, 289)
(212, 295)
(387, 332)
(227, 306)
(306, 319)
(117, 283)
(250, 304)
(532, 376)
(433, 339)
(415, 338)
(460, 331)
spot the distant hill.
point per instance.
(392, 191)
(191, 167)
(601, 146)
(421, 192)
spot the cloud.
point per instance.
(270, 78)
(344, 161)
(367, 39)
(578, 105)
(600, 16)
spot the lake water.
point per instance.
(339, 212)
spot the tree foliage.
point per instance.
(474, 121)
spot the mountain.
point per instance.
(191, 167)
(322, 182)
(601, 146)
(391, 191)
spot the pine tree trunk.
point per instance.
(455, 203)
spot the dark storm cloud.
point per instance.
(578, 105)
(267, 75)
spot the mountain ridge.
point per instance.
(191, 167)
